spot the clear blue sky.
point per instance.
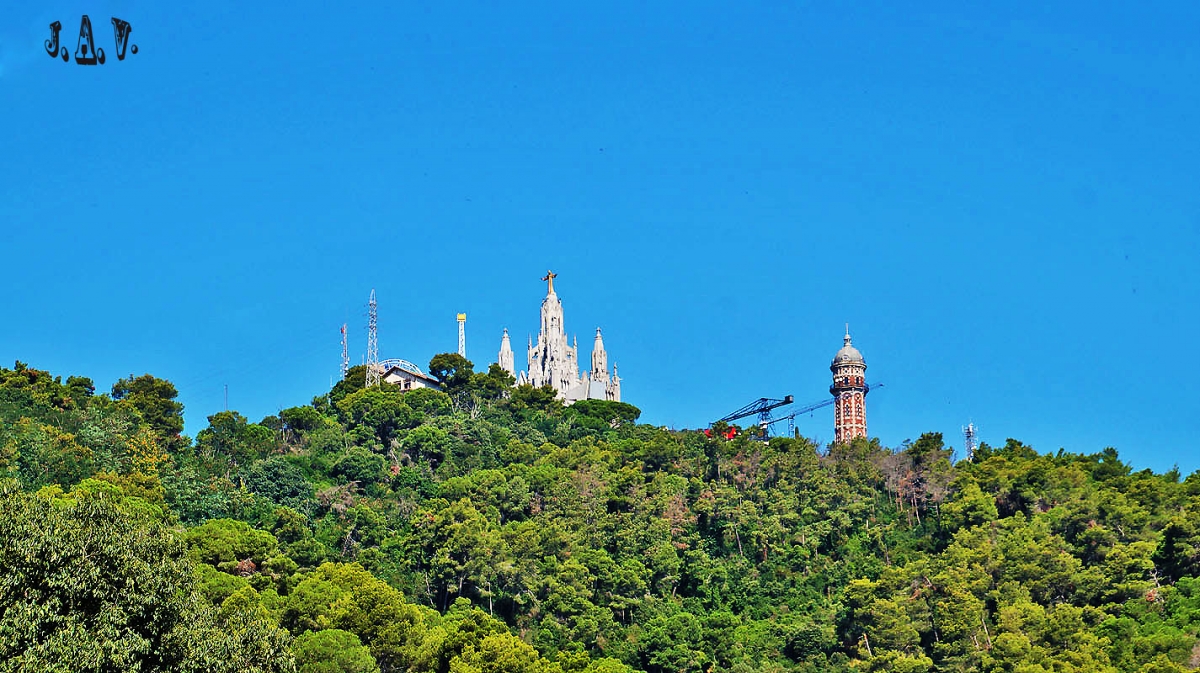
(1002, 200)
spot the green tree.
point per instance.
(44, 454)
(360, 465)
(453, 371)
(89, 587)
(495, 384)
(282, 483)
(502, 653)
(526, 397)
(222, 543)
(154, 398)
(229, 436)
(332, 651)
(380, 412)
(608, 412)
(347, 597)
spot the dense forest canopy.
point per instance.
(489, 528)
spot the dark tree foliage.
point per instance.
(281, 482)
(526, 398)
(361, 466)
(453, 371)
(154, 398)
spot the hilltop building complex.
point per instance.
(555, 362)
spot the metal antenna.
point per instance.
(969, 441)
(462, 334)
(372, 343)
(345, 353)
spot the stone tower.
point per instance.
(552, 361)
(849, 389)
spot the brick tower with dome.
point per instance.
(849, 390)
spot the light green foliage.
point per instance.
(347, 597)
(44, 454)
(495, 529)
(90, 587)
(222, 542)
(332, 651)
(501, 653)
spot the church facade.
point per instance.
(555, 362)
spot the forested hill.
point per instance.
(490, 529)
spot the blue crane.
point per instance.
(761, 407)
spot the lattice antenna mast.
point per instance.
(372, 343)
(345, 354)
(462, 334)
(970, 443)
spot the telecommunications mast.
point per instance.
(345, 353)
(970, 443)
(372, 343)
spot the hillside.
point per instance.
(490, 529)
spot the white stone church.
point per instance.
(554, 362)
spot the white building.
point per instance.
(554, 362)
(406, 376)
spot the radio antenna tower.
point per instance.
(462, 334)
(372, 343)
(969, 441)
(345, 353)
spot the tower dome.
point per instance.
(848, 353)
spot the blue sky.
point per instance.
(1000, 199)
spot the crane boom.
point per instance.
(761, 407)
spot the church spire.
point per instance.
(599, 359)
(506, 360)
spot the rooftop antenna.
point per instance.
(969, 440)
(345, 354)
(462, 334)
(372, 343)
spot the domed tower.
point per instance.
(849, 389)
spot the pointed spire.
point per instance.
(506, 360)
(847, 340)
(599, 358)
